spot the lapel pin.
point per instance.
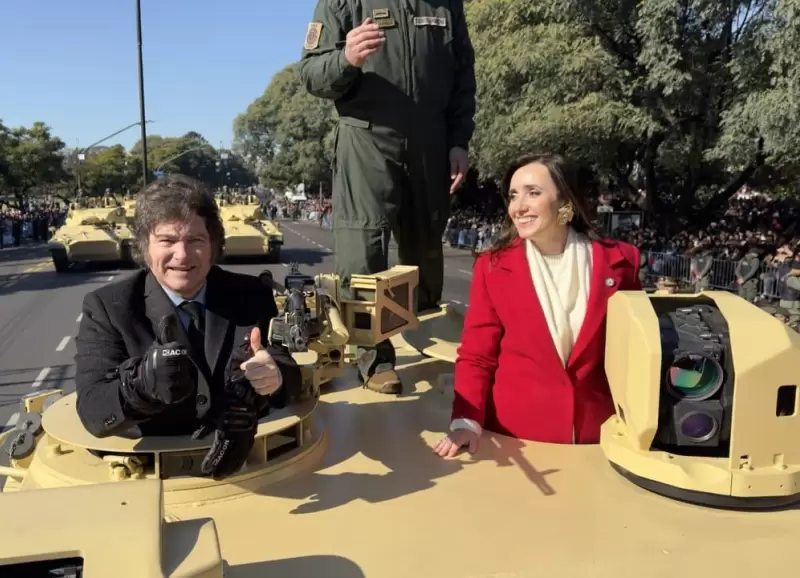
(609, 282)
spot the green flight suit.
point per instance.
(399, 115)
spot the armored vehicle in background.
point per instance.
(96, 230)
(248, 231)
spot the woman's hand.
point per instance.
(448, 446)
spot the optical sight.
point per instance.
(705, 391)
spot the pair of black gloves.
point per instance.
(165, 376)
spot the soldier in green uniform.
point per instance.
(790, 287)
(401, 74)
(701, 269)
(747, 275)
(644, 266)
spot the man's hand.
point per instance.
(261, 370)
(362, 42)
(459, 165)
(164, 376)
(235, 431)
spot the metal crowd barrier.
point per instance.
(722, 275)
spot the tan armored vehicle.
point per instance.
(344, 484)
(95, 230)
(248, 231)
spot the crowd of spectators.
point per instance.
(32, 223)
(753, 249)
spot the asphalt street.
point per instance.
(40, 309)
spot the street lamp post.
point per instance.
(223, 156)
(179, 155)
(82, 152)
(141, 91)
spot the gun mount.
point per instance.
(313, 316)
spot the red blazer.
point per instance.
(508, 375)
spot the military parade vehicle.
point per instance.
(343, 483)
(248, 231)
(96, 229)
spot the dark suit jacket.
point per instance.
(509, 376)
(120, 321)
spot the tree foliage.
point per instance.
(109, 168)
(192, 155)
(29, 157)
(33, 162)
(289, 131)
(668, 96)
(772, 110)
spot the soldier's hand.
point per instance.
(362, 42)
(459, 165)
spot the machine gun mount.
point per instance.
(314, 318)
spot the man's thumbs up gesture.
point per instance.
(260, 370)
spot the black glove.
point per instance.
(163, 376)
(236, 423)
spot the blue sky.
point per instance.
(72, 63)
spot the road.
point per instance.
(40, 309)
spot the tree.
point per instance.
(110, 168)
(772, 111)
(193, 156)
(30, 158)
(290, 131)
(641, 90)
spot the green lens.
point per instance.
(695, 376)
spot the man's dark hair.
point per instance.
(176, 198)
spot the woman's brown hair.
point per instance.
(574, 184)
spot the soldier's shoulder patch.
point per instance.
(313, 35)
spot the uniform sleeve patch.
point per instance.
(313, 35)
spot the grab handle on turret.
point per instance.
(336, 332)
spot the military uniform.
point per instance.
(789, 290)
(701, 265)
(399, 116)
(748, 270)
(644, 267)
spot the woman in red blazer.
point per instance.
(531, 361)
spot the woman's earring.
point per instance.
(565, 215)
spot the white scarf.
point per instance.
(564, 298)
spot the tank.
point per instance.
(96, 229)
(248, 231)
(344, 484)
